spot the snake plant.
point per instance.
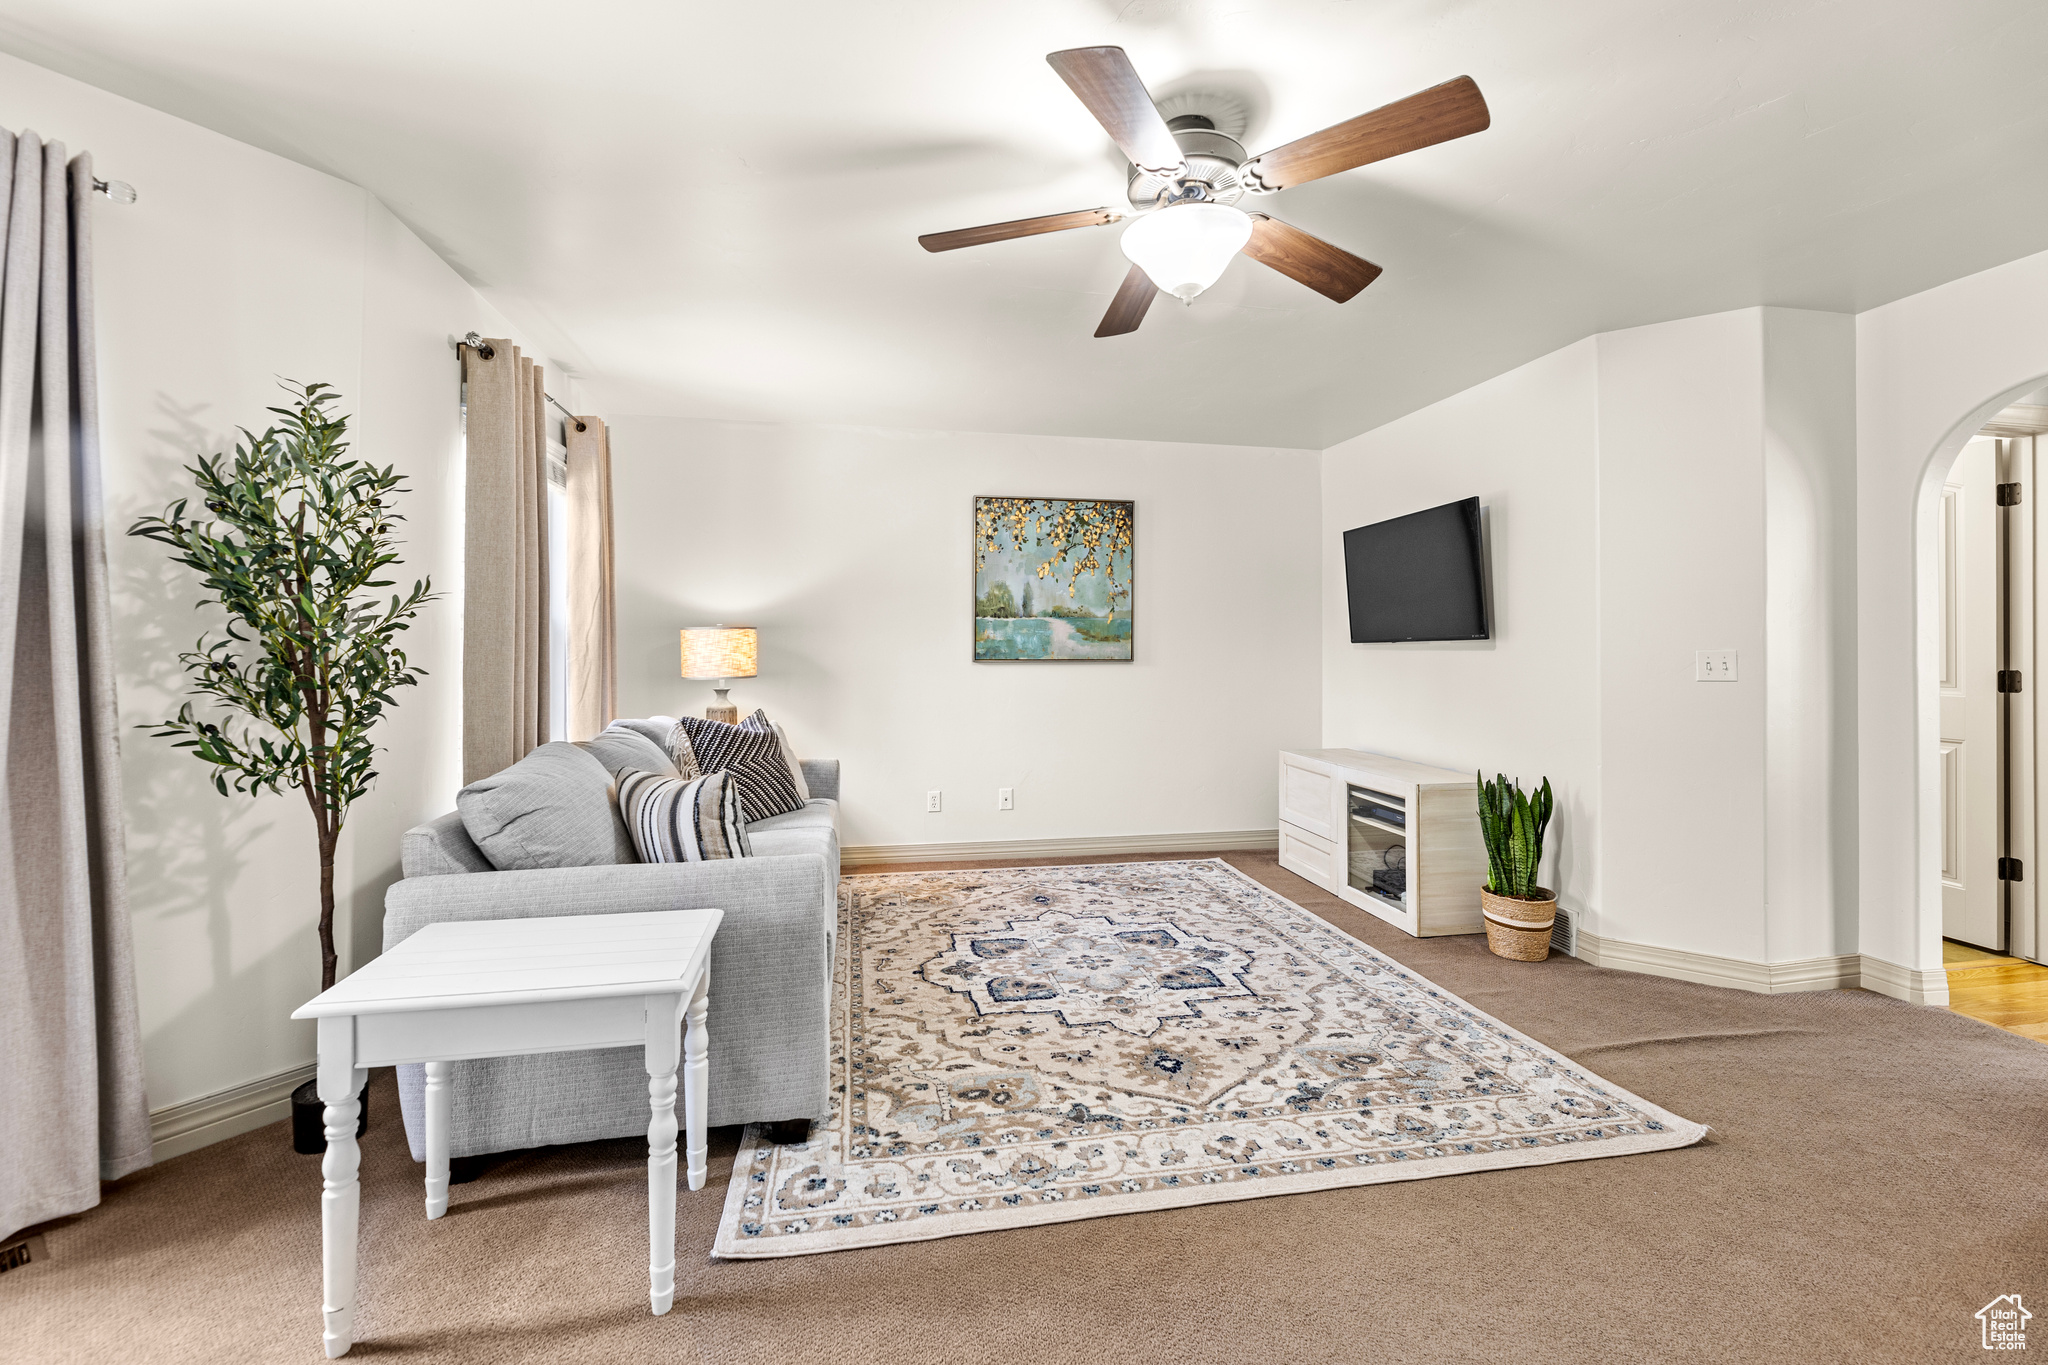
(1512, 825)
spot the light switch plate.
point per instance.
(1714, 665)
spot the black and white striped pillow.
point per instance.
(677, 743)
(753, 755)
(677, 820)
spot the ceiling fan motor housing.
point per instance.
(1210, 174)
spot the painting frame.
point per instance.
(1126, 548)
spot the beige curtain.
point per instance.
(505, 561)
(593, 627)
(72, 1109)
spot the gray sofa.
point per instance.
(771, 964)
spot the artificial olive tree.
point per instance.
(291, 548)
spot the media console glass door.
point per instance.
(1377, 845)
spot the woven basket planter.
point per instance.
(1516, 929)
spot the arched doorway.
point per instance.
(1981, 562)
(1931, 368)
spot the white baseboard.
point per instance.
(1211, 841)
(1915, 985)
(1841, 972)
(1765, 978)
(177, 1129)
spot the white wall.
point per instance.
(1930, 369)
(234, 269)
(850, 549)
(1681, 570)
(1651, 493)
(1809, 469)
(1526, 702)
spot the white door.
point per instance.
(1972, 899)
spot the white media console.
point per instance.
(1398, 839)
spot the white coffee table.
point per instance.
(499, 988)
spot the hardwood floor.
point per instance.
(2008, 992)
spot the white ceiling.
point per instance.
(713, 209)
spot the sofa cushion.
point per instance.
(665, 735)
(557, 807)
(677, 821)
(440, 848)
(814, 815)
(654, 729)
(821, 778)
(620, 746)
(752, 754)
(819, 840)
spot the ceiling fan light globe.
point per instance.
(1185, 249)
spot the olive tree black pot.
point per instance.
(309, 1118)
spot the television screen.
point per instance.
(1418, 577)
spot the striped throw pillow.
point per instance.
(753, 755)
(680, 753)
(677, 820)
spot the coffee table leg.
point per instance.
(661, 1152)
(341, 1194)
(440, 1102)
(696, 1077)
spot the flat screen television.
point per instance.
(1418, 577)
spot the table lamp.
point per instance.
(720, 652)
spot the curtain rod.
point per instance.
(486, 350)
(119, 191)
(565, 412)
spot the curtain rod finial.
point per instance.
(480, 346)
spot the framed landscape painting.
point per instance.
(1052, 579)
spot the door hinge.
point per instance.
(2008, 680)
(2008, 495)
(2011, 870)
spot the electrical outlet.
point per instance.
(934, 801)
(1006, 798)
(1714, 665)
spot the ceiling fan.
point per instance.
(1186, 178)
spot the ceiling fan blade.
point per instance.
(1437, 114)
(1022, 227)
(1331, 271)
(1108, 84)
(1127, 309)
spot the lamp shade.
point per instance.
(1184, 249)
(718, 651)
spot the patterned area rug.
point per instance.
(1033, 1045)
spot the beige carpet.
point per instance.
(1020, 1046)
(1876, 1174)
